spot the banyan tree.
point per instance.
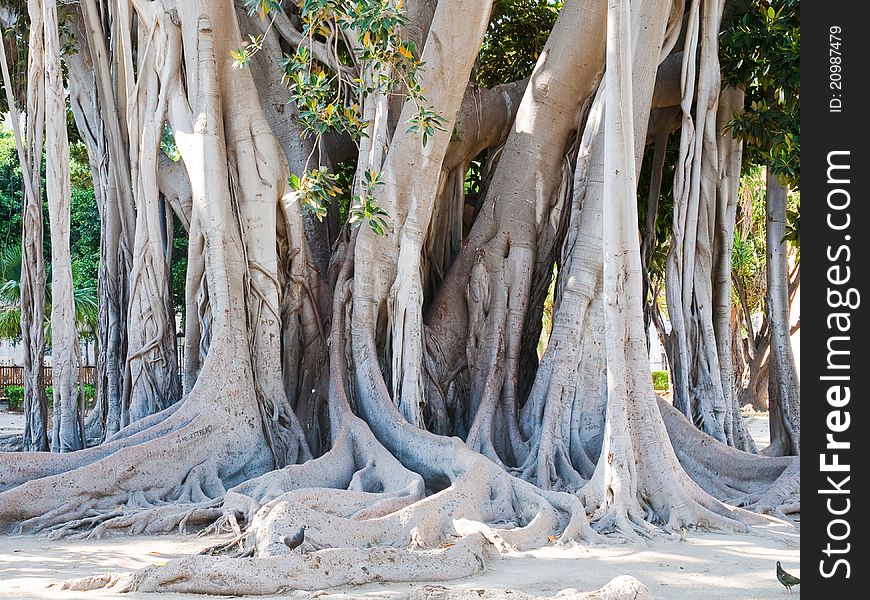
(370, 370)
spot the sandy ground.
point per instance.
(11, 422)
(702, 565)
(705, 565)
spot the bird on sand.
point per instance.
(295, 540)
(786, 579)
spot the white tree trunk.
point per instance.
(480, 320)
(388, 278)
(784, 383)
(29, 148)
(700, 231)
(151, 358)
(68, 428)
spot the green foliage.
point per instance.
(11, 190)
(84, 232)
(15, 395)
(749, 260)
(319, 99)
(516, 36)
(179, 266)
(760, 51)
(315, 189)
(660, 381)
(425, 122)
(14, 28)
(90, 394)
(345, 172)
(168, 145)
(262, 7)
(365, 209)
(84, 240)
(328, 96)
(10, 292)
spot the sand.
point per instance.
(11, 422)
(706, 565)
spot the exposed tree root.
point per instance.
(510, 513)
(274, 576)
(192, 456)
(759, 483)
(324, 568)
(21, 468)
(12, 442)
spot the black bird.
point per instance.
(295, 540)
(786, 579)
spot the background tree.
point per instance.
(767, 67)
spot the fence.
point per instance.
(15, 376)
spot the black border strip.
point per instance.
(834, 119)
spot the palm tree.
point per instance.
(10, 293)
(85, 298)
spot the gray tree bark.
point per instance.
(68, 427)
(29, 148)
(784, 384)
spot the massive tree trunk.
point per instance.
(216, 439)
(487, 313)
(565, 413)
(29, 148)
(637, 471)
(784, 385)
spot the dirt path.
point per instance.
(703, 565)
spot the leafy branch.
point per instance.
(364, 38)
